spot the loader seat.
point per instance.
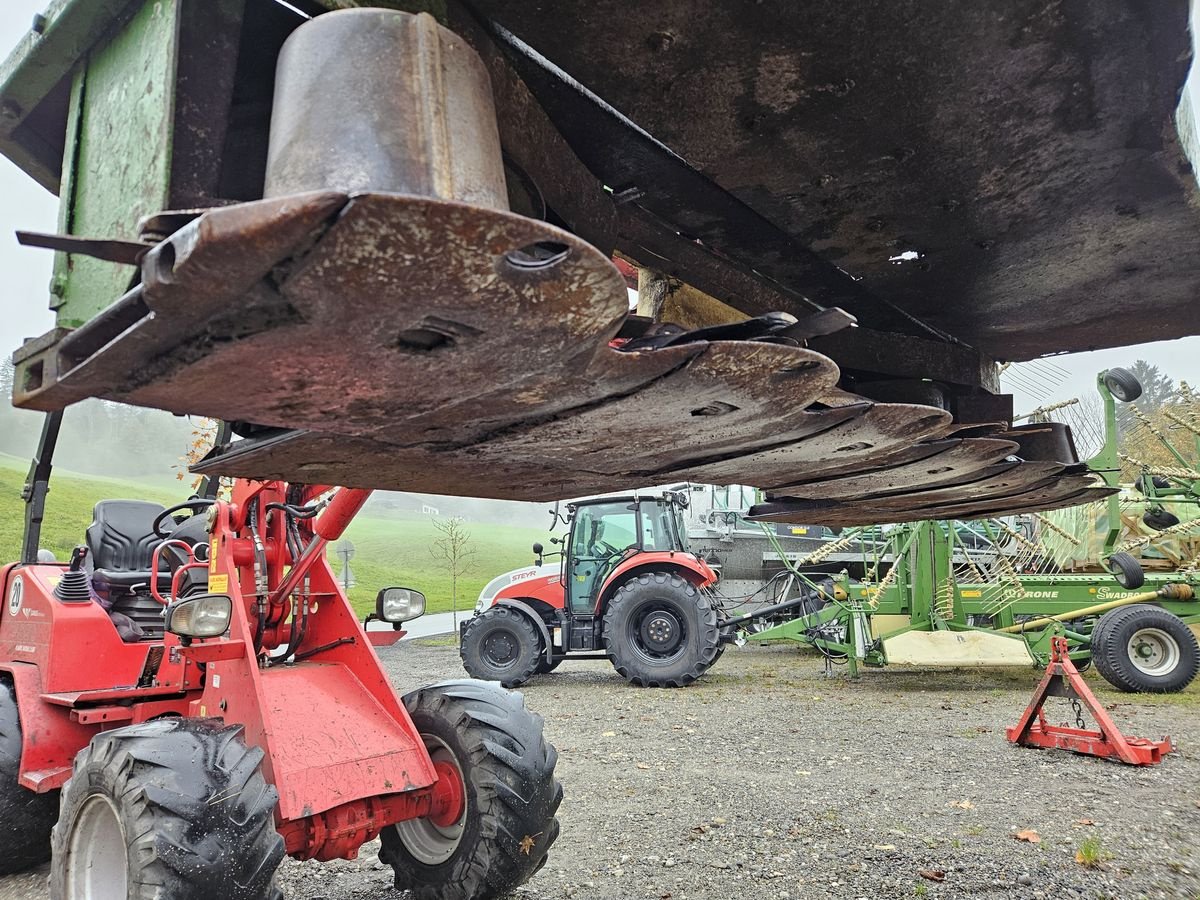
(121, 544)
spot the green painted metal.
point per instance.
(120, 154)
(36, 77)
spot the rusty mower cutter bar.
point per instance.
(626, 589)
(186, 702)
(361, 215)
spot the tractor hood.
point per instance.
(516, 576)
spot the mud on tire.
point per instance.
(661, 631)
(508, 826)
(185, 808)
(25, 817)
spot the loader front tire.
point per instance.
(507, 826)
(175, 809)
(25, 817)
(660, 631)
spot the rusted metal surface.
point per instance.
(1069, 491)
(1028, 152)
(129, 253)
(956, 463)
(850, 446)
(428, 345)
(398, 288)
(209, 273)
(377, 100)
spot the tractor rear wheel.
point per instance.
(660, 631)
(25, 817)
(507, 770)
(175, 809)
(501, 644)
(1145, 649)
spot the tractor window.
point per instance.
(661, 529)
(603, 530)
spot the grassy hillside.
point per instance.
(397, 552)
(387, 551)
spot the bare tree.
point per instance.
(456, 554)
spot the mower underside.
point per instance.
(452, 349)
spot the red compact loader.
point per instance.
(185, 702)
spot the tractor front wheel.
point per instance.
(661, 631)
(25, 817)
(175, 809)
(496, 746)
(501, 644)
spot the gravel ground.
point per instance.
(768, 780)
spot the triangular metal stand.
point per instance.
(1062, 679)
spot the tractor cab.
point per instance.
(606, 531)
(626, 589)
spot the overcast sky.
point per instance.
(25, 275)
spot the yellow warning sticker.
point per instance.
(218, 584)
(212, 554)
(972, 593)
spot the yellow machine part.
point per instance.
(955, 649)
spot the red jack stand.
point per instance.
(1062, 679)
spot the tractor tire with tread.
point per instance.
(506, 830)
(141, 808)
(632, 620)
(1171, 663)
(26, 818)
(545, 668)
(501, 644)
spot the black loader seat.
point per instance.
(121, 543)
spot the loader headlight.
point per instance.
(399, 604)
(202, 616)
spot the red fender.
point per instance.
(687, 566)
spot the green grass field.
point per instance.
(387, 551)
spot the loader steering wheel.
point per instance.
(194, 506)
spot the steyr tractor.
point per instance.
(625, 589)
(185, 702)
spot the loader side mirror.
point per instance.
(399, 604)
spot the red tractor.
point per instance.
(626, 589)
(187, 701)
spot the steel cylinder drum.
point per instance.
(384, 101)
